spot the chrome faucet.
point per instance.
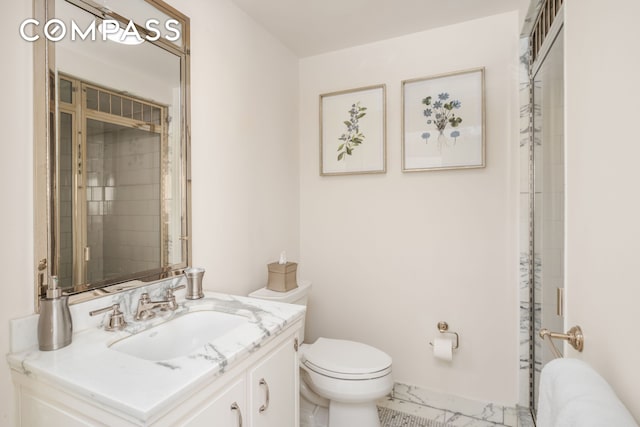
(146, 306)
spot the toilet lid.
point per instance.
(346, 359)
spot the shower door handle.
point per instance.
(560, 301)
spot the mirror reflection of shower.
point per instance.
(111, 150)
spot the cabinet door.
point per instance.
(225, 409)
(273, 388)
(36, 411)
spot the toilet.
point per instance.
(340, 380)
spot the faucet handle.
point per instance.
(170, 291)
(145, 306)
(171, 298)
(115, 321)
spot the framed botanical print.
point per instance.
(443, 121)
(353, 131)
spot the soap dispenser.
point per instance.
(54, 324)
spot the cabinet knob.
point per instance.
(235, 407)
(264, 407)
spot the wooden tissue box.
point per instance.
(282, 277)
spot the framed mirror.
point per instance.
(112, 144)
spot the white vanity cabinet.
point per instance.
(226, 409)
(265, 396)
(271, 403)
(262, 390)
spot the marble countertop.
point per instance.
(142, 388)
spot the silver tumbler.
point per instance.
(194, 282)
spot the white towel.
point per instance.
(572, 394)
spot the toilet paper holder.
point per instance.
(443, 328)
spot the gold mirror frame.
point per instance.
(45, 159)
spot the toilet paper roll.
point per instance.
(443, 348)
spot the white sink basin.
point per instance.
(180, 336)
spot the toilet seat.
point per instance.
(345, 360)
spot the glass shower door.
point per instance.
(548, 202)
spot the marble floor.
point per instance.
(452, 411)
(393, 418)
(448, 418)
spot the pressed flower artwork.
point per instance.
(443, 121)
(352, 137)
(352, 131)
(441, 114)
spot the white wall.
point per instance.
(244, 88)
(391, 255)
(16, 181)
(602, 206)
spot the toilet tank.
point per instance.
(298, 296)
